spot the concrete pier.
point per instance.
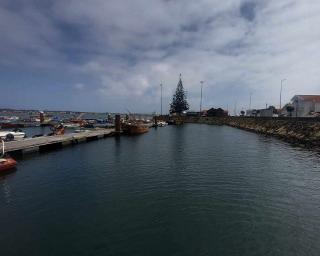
(45, 143)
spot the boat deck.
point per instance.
(44, 143)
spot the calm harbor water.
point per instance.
(178, 190)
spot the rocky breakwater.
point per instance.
(301, 131)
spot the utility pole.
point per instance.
(250, 101)
(201, 82)
(282, 80)
(161, 97)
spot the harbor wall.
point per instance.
(300, 131)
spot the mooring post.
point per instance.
(155, 121)
(41, 117)
(117, 123)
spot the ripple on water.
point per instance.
(189, 190)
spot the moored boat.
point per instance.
(12, 135)
(162, 123)
(71, 125)
(57, 130)
(134, 128)
(6, 163)
(81, 130)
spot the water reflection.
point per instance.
(182, 190)
(5, 189)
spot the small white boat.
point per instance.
(71, 125)
(162, 123)
(12, 135)
(81, 130)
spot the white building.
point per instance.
(306, 105)
(265, 112)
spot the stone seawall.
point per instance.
(300, 131)
(304, 133)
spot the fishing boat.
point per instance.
(134, 128)
(6, 163)
(12, 135)
(57, 130)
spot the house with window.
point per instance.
(306, 105)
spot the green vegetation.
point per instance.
(179, 102)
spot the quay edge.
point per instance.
(48, 143)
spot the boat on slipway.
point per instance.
(12, 135)
(6, 163)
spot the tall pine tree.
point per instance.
(179, 102)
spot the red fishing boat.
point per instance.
(6, 163)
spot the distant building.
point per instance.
(251, 112)
(197, 113)
(271, 111)
(284, 111)
(218, 112)
(306, 105)
(204, 112)
(192, 113)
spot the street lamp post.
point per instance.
(161, 98)
(201, 82)
(282, 80)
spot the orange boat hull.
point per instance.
(138, 130)
(7, 164)
(134, 129)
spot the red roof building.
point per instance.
(306, 105)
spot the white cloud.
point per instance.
(130, 47)
(79, 86)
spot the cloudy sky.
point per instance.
(111, 55)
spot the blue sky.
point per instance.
(112, 55)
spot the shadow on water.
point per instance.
(8, 173)
(177, 142)
(117, 148)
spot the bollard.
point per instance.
(117, 123)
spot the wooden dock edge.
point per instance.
(69, 141)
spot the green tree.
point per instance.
(179, 101)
